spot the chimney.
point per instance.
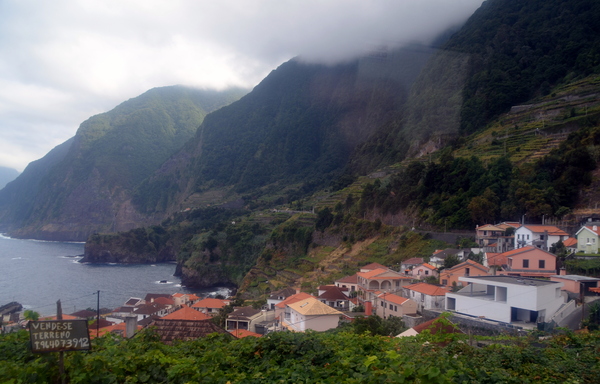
(563, 272)
(368, 308)
(130, 326)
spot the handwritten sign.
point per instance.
(59, 335)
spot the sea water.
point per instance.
(37, 274)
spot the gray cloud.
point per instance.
(65, 60)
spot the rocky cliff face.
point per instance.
(123, 253)
(208, 276)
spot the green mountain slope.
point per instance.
(444, 151)
(296, 130)
(520, 49)
(88, 190)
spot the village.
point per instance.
(518, 286)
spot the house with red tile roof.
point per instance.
(146, 310)
(150, 297)
(280, 295)
(450, 277)
(117, 329)
(571, 244)
(540, 236)
(350, 282)
(166, 301)
(241, 333)
(389, 305)
(372, 266)
(494, 238)
(311, 314)
(380, 280)
(334, 296)
(248, 318)
(185, 298)
(186, 313)
(427, 296)
(64, 317)
(529, 261)
(210, 306)
(423, 271)
(407, 265)
(587, 239)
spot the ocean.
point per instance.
(37, 274)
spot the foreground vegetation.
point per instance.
(336, 357)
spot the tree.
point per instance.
(476, 257)
(483, 208)
(450, 261)
(31, 315)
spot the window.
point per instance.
(426, 272)
(542, 264)
(444, 282)
(541, 237)
(422, 297)
(467, 271)
(527, 237)
(525, 263)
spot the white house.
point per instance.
(350, 282)
(587, 239)
(541, 236)
(427, 296)
(310, 313)
(278, 296)
(507, 298)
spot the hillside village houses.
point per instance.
(520, 286)
(449, 277)
(540, 236)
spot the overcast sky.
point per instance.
(63, 61)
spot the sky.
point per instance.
(63, 61)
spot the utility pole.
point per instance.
(98, 315)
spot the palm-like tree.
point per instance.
(31, 315)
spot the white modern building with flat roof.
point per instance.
(507, 298)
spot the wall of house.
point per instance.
(471, 305)
(317, 323)
(545, 299)
(452, 276)
(408, 306)
(351, 287)
(587, 241)
(534, 257)
(569, 285)
(422, 272)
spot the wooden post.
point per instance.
(61, 354)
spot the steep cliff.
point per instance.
(86, 186)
